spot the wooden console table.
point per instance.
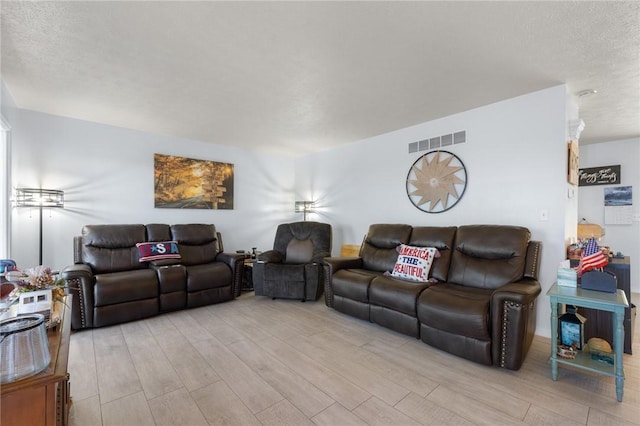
(42, 399)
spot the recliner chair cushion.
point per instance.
(207, 276)
(456, 309)
(285, 281)
(398, 295)
(299, 251)
(126, 286)
(353, 284)
(283, 272)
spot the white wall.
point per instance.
(107, 175)
(624, 238)
(571, 201)
(515, 157)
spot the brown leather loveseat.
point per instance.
(479, 303)
(110, 285)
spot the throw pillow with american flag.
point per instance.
(591, 258)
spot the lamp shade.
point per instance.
(38, 197)
(303, 206)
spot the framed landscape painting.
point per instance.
(187, 183)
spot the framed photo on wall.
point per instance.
(188, 183)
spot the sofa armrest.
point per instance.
(319, 257)
(337, 263)
(513, 318)
(80, 282)
(230, 258)
(331, 265)
(236, 263)
(523, 292)
(314, 280)
(271, 256)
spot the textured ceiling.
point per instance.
(299, 77)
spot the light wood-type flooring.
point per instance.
(257, 361)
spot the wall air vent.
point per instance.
(460, 137)
(438, 141)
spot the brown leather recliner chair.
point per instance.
(294, 269)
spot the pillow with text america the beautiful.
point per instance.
(414, 263)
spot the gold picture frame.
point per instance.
(188, 183)
(573, 162)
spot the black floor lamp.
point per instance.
(40, 199)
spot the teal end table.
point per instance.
(611, 302)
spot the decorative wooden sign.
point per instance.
(603, 175)
(572, 169)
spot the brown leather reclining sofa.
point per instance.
(481, 305)
(110, 285)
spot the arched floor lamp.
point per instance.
(39, 198)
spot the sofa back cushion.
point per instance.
(197, 243)
(488, 256)
(440, 237)
(112, 248)
(158, 232)
(378, 250)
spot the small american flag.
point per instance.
(591, 257)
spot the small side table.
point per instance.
(247, 269)
(611, 302)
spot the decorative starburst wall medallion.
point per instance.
(436, 181)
